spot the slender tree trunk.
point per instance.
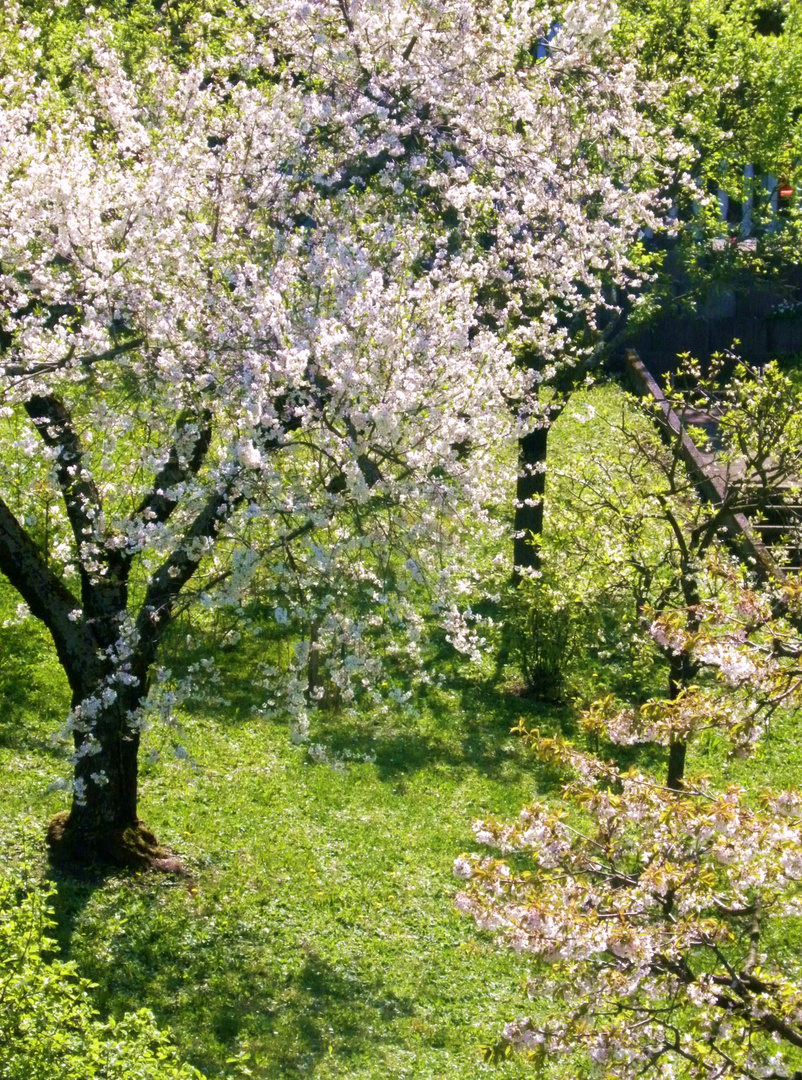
(682, 670)
(681, 673)
(529, 491)
(530, 488)
(313, 663)
(676, 765)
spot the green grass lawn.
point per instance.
(316, 934)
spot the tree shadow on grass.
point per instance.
(199, 974)
(75, 886)
(467, 728)
(465, 731)
(31, 713)
(323, 1009)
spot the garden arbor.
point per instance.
(272, 291)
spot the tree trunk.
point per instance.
(102, 823)
(105, 653)
(108, 777)
(529, 491)
(528, 523)
(676, 765)
(681, 672)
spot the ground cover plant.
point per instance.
(49, 1026)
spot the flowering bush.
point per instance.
(659, 915)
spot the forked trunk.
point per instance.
(106, 653)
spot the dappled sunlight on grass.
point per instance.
(315, 934)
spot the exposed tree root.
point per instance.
(134, 847)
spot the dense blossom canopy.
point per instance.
(318, 271)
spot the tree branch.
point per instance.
(45, 594)
(81, 498)
(85, 360)
(158, 505)
(168, 581)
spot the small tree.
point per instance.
(660, 911)
(659, 915)
(659, 907)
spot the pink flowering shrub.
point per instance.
(657, 915)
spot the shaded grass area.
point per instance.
(316, 936)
